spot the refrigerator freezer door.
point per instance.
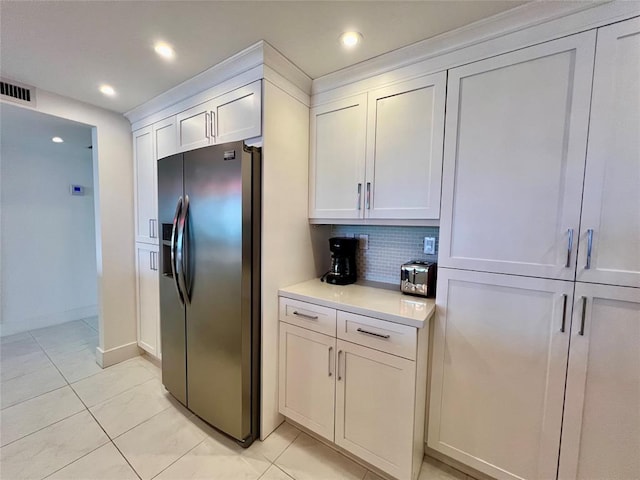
(218, 182)
(172, 311)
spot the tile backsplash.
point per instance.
(389, 247)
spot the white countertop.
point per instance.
(389, 305)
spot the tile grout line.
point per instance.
(185, 453)
(90, 413)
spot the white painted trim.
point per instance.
(526, 25)
(286, 86)
(11, 327)
(283, 66)
(374, 221)
(106, 358)
(241, 62)
(185, 102)
(241, 69)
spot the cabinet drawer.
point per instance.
(307, 315)
(379, 334)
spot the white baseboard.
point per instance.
(106, 358)
(11, 327)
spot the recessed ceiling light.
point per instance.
(164, 50)
(107, 90)
(350, 39)
(57, 140)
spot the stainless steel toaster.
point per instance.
(418, 277)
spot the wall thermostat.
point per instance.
(76, 189)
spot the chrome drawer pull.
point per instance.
(330, 350)
(379, 335)
(304, 315)
(564, 312)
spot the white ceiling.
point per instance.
(70, 47)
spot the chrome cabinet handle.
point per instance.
(214, 126)
(182, 264)
(569, 247)
(368, 195)
(174, 259)
(359, 196)
(379, 335)
(339, 356)
(207, 125)
(153, 228)
(564, 312)
(589, 247)
(330, 350)
(584, 314)
(150, 260)
(304, 315)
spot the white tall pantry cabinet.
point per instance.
(149, 145)
(518, 229)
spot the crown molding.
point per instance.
(251, 59)
(554, 19)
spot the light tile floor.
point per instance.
(63, 417)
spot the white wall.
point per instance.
(113, 187)
(49, 270)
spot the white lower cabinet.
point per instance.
(498, 372)
(306, 378)
(368, 401)
(148, 295)
(375, 395)
(601, 428)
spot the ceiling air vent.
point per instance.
(17, 92)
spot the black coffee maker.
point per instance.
(343, 261)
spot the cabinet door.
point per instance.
(601, 429)
(611, 203)
(498, 376)
(375, 395)
(337, 159)
(145, 186)
(165, 137)
(306, 380)
(237, 114)
(195, 127)
(404, 149)
(148, 294)
(514, 154)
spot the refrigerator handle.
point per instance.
(174, 256)
(183, 251)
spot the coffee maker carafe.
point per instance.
(343, 261)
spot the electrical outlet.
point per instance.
(364, 242)
(430, 245)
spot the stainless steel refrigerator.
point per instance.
(209, 211)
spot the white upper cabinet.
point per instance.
(337, 158)
(404, 149)
(144, 161)
(499, 363)
(610, 227)
(514, 155)
(601, 428)
(230, 117)
(165, 138)
(237, 114)
(378, 155)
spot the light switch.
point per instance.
(430, 245)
